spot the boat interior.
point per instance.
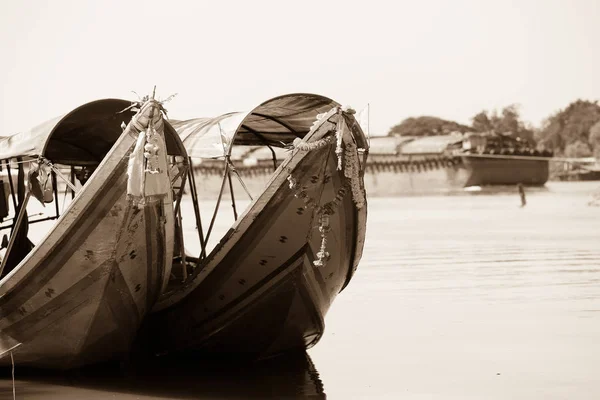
(52, 163)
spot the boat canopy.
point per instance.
(275, 123)
(84, 135)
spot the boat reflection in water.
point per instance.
(292, 376)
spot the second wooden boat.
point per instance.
(269, 282)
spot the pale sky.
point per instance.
(406, 58)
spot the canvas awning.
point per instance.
(85, 134)
(275, 122)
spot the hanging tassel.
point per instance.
(157, 183)
(147, 167)
(135, 170)
(323, 254)
(292, 182)
(340, 131)
(352, 172)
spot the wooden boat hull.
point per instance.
(260, 293)
(581, 175)
(81, 294)
(489, 171)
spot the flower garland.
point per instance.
(324, 212)
(339, 134)
(352, 173)
(347, 161)
(302, 145)
(300, 192)
(148, 180)
(318, 118)
(151, 150)
(331, 207)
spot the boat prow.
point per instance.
(80, 294)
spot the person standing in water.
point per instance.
(522, 194)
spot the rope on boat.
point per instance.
(214, 217)
(234, 170)
(13, 162)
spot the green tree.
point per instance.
(427, 126)
(573, 124)
(578, 149)
(508, 122)
(595, 140)
(481, 122)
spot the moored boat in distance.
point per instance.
(449, 163)
(267, 285)
(579, 169)
(76, 285)
(492, 159)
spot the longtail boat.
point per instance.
(78, 294)
(268, 283)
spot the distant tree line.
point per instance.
(571, 132)
(574, 131)
(427, 126)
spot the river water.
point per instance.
(464, 296)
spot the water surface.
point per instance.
(467, 296)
